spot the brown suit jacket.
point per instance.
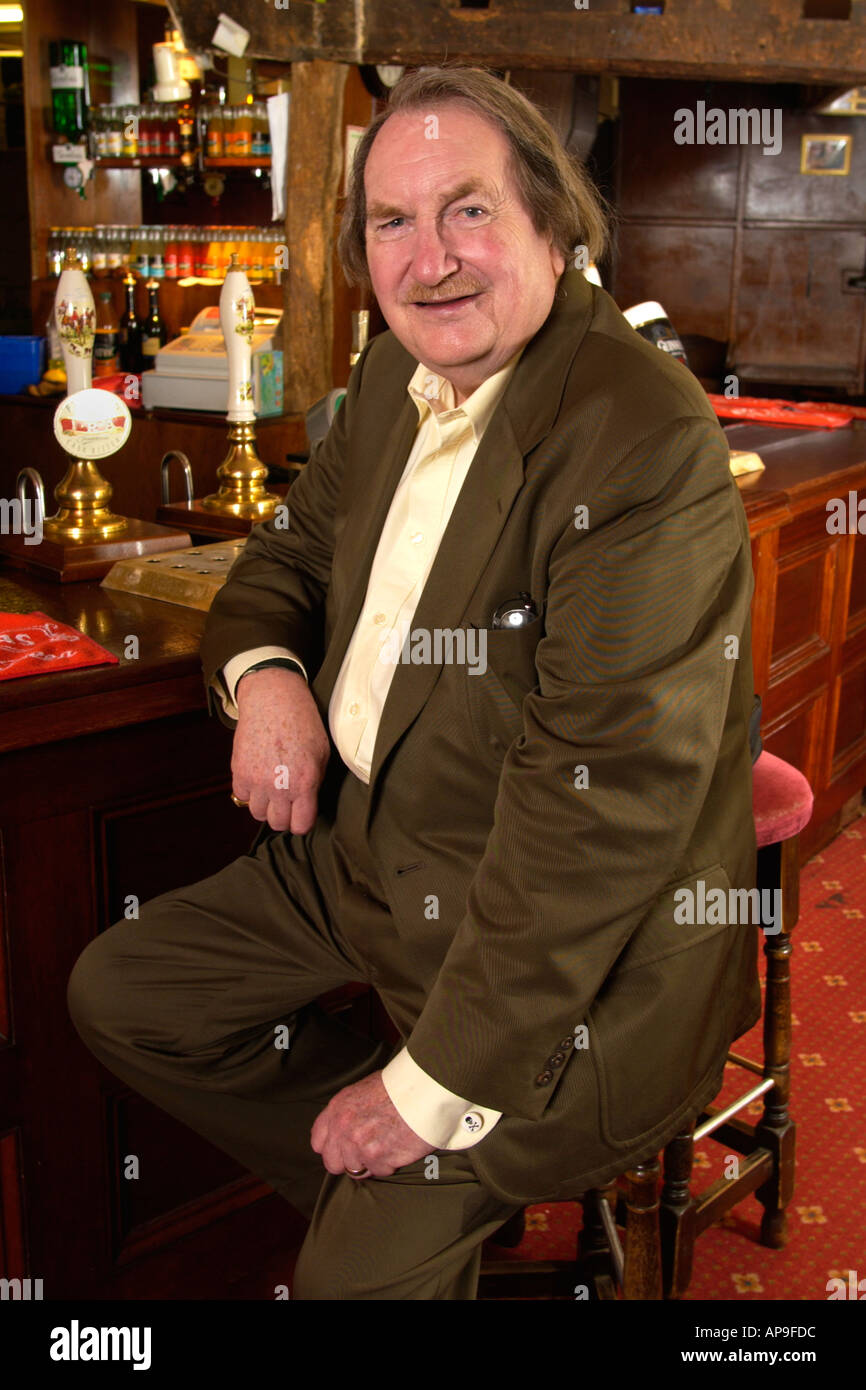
(555, 899)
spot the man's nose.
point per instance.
(433, 257)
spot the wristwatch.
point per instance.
(276, 661)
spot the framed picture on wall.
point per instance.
(825, 154)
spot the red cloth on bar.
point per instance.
(801, 414)
(32, 644)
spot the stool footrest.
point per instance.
(727, 1192)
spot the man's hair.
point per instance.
(553, 185)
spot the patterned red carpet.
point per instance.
(827, 1216)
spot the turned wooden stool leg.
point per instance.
(677, 1215)
(776, 1129)
(642, 1277)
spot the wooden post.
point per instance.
(315, 165)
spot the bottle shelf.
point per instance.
(242, 161)
(140, 161)
(172, 161)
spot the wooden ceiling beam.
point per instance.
(743, 40)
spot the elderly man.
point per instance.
(515, 589)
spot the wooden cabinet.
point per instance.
(809, 612)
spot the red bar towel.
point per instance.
(33, 644)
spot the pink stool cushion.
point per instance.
(781, 800)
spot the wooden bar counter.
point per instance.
(114, 784)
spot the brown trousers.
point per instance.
(183, 1005)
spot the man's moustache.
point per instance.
(456, 291)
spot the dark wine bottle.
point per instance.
(153, 335)
(129, 335)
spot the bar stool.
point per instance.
(660, 1234)
(782, 802)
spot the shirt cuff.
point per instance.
(437, 1115)
(227, 680)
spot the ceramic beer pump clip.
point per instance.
(84, 537)
(241, 475)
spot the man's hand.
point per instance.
(280, 749)
(360, 1128)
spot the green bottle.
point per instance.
(70, 90)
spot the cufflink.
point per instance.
(473, 1121)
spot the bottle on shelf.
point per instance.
(81, 242)
(99, 132)
(200, 249)
(141, 253)
(99, 253)
(105, 344)
(244, 131)
(171, 254)
(170, 130)
(212, 128)
(145, 132)
(257, 254)
(55, 251)
(185, 253)
(129, 335)
(153, 334)
(155, 252)
(277, 267)
(113, 132)
(261, 131)
(115, 250)
(70, 94)
(230, 132)
(128, 120)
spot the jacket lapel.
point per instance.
(494, 478)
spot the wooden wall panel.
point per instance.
(688, 268)
(661, 179)
(774, 295)
(183, 1184)
(793, 322)
(777, 190)
(849, 742)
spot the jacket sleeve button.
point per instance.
(557, 1059)
(544, 1078)
(566, 1044)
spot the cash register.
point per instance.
(192, 371)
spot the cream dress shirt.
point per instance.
(444, 446)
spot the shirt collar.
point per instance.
(477, 408)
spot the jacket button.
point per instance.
(556, 1060)
(544, 1078)
(566, 1044)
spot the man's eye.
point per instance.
(471, 210)
(395, 222)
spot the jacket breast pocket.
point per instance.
(659, 1028)
(503, 675)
